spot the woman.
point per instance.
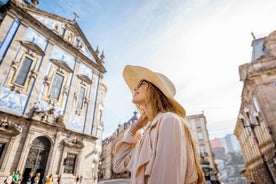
(49, 179)
(29, 178)
(36, 178)
(9, 179)
(166, 153)
(16, 178)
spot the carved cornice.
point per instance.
(265, 65)
(9, 127)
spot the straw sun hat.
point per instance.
(134, 74)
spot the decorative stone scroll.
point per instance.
(8, 127)
(48, 116)
(73, 142)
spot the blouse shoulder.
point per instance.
(170, 115)
(162, 118)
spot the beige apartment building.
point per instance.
(256, 122)
(198, 125)
(51, 95)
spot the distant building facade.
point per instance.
(218, 149)
(51, 95)
(230, 143)
(256, 122)
(198, 126)
(108, 145)
(230, 162)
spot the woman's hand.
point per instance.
(138, 124)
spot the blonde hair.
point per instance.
(160, 103)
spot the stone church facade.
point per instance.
(256, 121)
(51, 95)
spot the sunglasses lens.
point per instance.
(140, 83)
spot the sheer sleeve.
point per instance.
(123, 152)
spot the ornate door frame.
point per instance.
(37, 156)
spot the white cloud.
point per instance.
(201, 49)
(198, 44)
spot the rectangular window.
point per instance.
(56, 86)
(198, 124)
(81, 97)
(69, 165)
(23, 71)
(200, 136)
(203, 150)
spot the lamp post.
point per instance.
(252, 126)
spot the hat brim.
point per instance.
(134, 74)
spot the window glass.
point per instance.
(69, 164)
(198, 124)
(202, 149)
(56, 86)
(81, 97)
(199, 136)
(24, 71)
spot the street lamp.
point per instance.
(251, 125)
(256, 115)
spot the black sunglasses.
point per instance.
(141, 83)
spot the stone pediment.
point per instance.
(84, 78)
(33, 47)
(68, 30)
(62, 65)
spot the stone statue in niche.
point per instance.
(70, 37)
(56, 29)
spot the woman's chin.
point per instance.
(136, 101)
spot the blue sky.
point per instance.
(198, 44)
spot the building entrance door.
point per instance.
(37, 157)
(2, 146)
